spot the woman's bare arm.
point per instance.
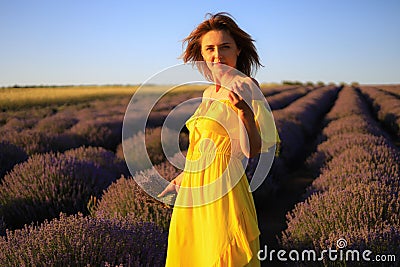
(250, 139)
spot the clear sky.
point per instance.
(126, 42)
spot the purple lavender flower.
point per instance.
(80, 241)
(47, 184)
(125, 198)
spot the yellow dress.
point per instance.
(214, 221)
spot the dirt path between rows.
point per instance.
(272, 215)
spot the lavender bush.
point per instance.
(47, 184)
(93, 133)
(169, 170)
(337, 144)
(386, 107)
(352, 124)
(84, 241)
(360, 165)
(167, 103)
(348, 104)
(337, 180)
(9, 156)
(153, 145)
(308, 110)
(19, 124)
(284, 98)
(379, 157)
(156, 179)
(392, 89)
(125, 198)
(57, 123)
(291, 135)
(348, 126)
(32, 141)
(297, 121)
(156, 118)
(136, 155)
(351, 213)
(102, 158)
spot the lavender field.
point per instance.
(67, 197)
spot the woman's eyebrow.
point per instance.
(226, 43)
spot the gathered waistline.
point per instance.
(215, 153)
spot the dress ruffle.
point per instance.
(242, 248)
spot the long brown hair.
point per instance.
(248, 60)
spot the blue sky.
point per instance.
(126, 42)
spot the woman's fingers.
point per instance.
(163, 193)
(169, 189)
(240, 95)
(241, 88)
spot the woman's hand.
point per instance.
(240, 94)
(173, 186)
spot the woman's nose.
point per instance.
(217, 55)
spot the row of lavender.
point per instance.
(38, 188)
(296, 124)
(59, 128)
(47, 184)
(355, 196)
(62, 128)
(269, 91)
(56, 129)
(393, 89)
(286, 97)
(72, 182)
(386, 105)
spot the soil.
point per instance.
(272, 215)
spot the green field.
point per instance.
(26, 97)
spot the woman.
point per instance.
(214, 220)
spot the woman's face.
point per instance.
(218, 47)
